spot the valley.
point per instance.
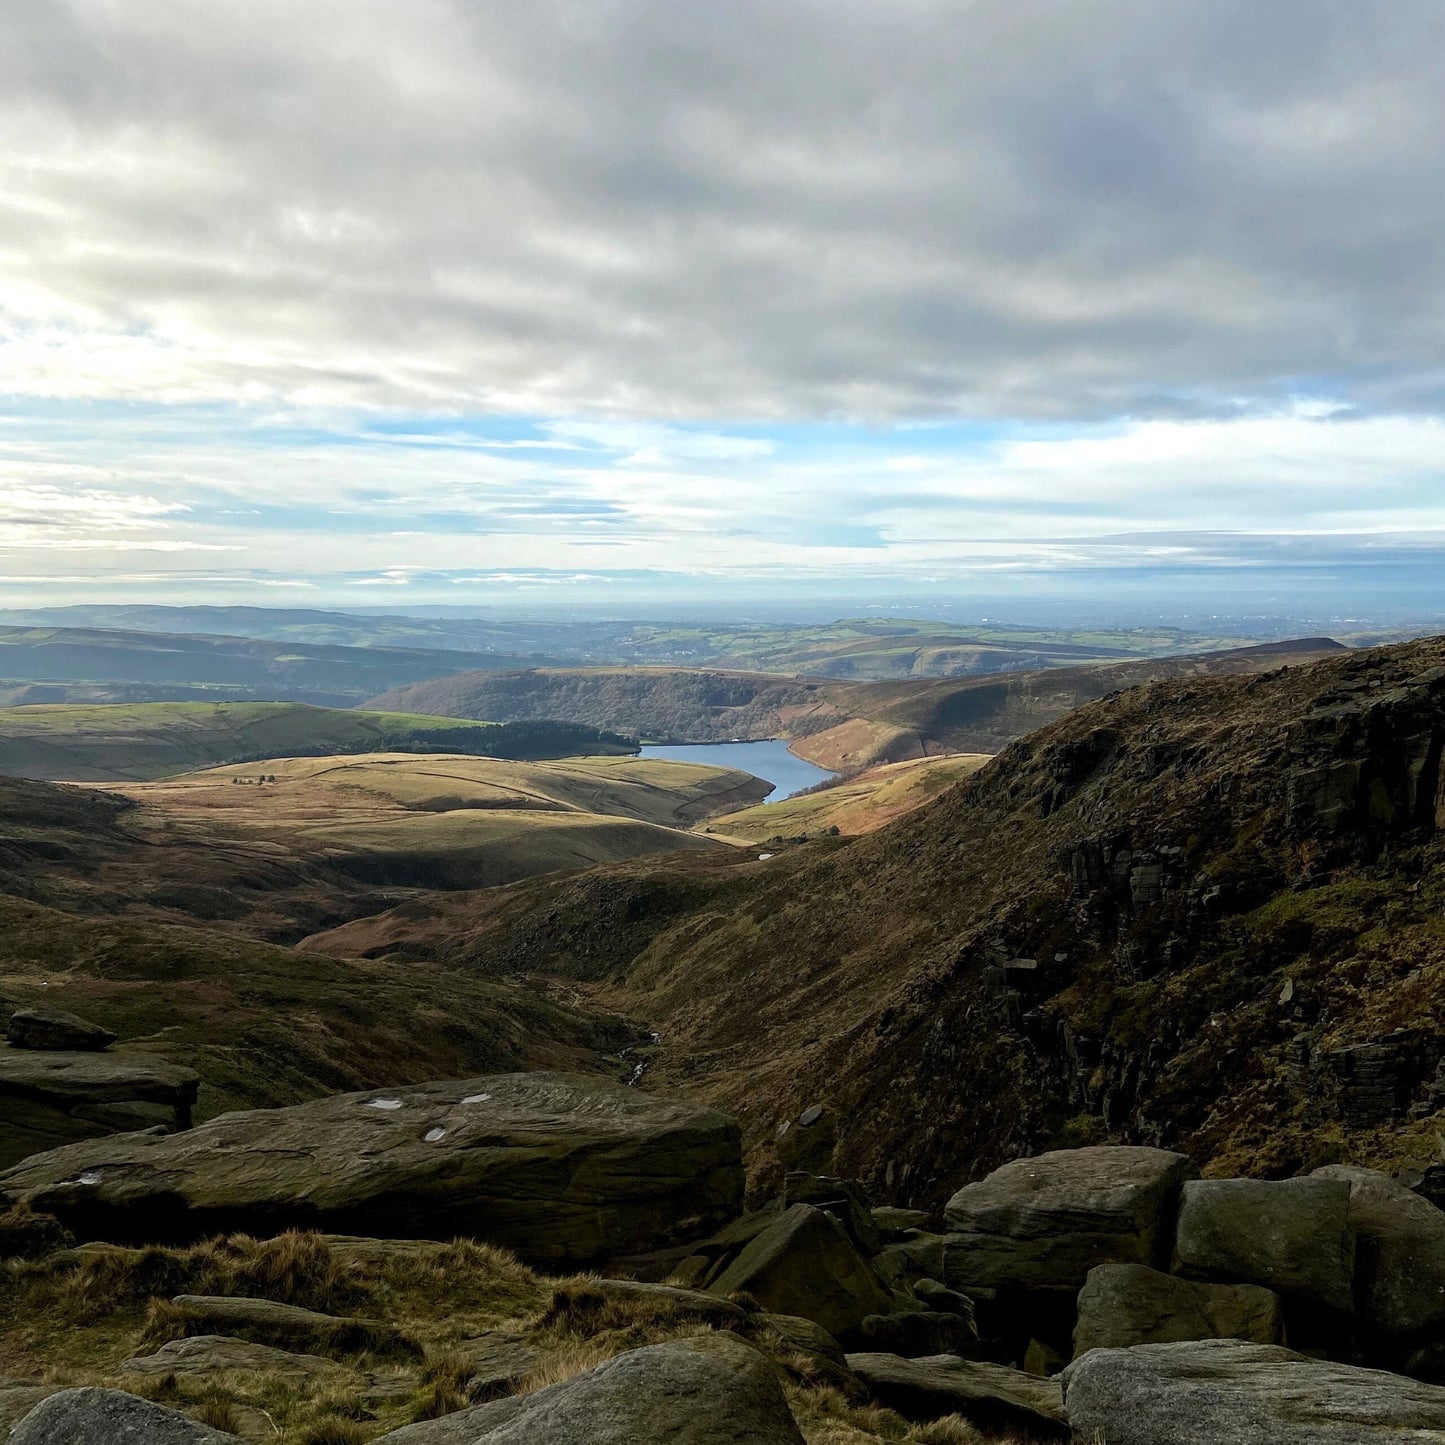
(1179, 946)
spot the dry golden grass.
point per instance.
(860, 804)
(572, 1358)
(219, 1412)
(75, 1317)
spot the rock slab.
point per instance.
(53, 1028)
(50, 1099)
(710, 1390)
(94, 1416)
(1228, 1392)
(201, 1355)
(993, 1397)
(1045, 1222)
(562, 1168)
(1130, 1304)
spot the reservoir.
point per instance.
(770, 760)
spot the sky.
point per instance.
(347, 302)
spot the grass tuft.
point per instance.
(220, 1413)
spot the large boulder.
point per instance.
(1291, 1235)
(1228, 1392)
(1044, 1223)
(993, 1397)
(709, 1390)
(805, 1264)
(1131, 1304)
(93, 1416)
(54, 1028)
(1399, 1253)
(48, 1100)
(559, 1167)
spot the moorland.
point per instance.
(1165, 929)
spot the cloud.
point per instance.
(1001, 208)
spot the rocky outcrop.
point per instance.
(110, 1417)
(1130, 1304)
(56, 1030)
(710, 1390)
(1218, 1392)
(805, 1264)
(49, 1099)
(1399, 1258)
(1292, 1236)
(993, 1397)
(1044, 1223)
(559, 1167)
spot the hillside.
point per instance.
(174, 666)
(1161, 919)
(860, 804)
(286, 846)
(660, 704)
(130, 742)
(843, 726)
(266, 1026)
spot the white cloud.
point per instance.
(948, 207)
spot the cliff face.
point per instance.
(1205, 912)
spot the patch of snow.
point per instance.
(382, 1104)
(432, 1135)
(91, 1176)
(476, 1098)
(763, 857)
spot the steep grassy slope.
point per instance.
(1156, 920)
(860, 804)
(842, 726)
(129, 742)
(660, 704)
(234, 667)
(266, 1026)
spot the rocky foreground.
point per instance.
(334, 1273)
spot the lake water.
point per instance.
(771, 761)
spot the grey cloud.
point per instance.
(986, 207)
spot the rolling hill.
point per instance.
(130, 742)
(116, 665)
(842, 726)
(282, 847)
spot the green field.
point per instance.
(125, 742)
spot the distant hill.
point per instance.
(512, 639)
(114, 666)
(131, 742)
(848, 648)
(844, 726)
